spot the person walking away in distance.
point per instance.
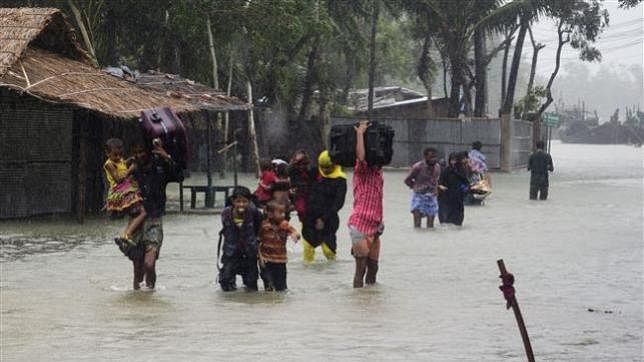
(539, 164)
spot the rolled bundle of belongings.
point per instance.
(481, 189)
(379, 141)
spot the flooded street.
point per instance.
(577, 258)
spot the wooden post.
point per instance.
(235, 165)
(82, 171)
(251, 125)
(508, 292)
(181, 196)
(209, 199)
(227, 114)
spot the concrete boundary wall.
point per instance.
(522, 132)
(446, 134)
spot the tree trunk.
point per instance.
(348, 77)
(480, 55)
(211, 43)
(508, 102)
(444, 61)
(455, 94)
(372, 54)
(425, 73)
(458, 65)
(251, 127)
(504, 70)
(535, 54)
(228, 92)
(560, 45)
(309, 81)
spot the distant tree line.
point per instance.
(301, 53)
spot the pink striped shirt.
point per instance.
(368, 186)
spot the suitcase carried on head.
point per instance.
(163, 123)
(379, 141)
(342, 145)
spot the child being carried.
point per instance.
(123, 197)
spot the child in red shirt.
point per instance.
(267, 178)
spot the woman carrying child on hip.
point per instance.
(123, 197)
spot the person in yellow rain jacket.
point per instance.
(326, 198)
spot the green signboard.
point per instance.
(551, 119)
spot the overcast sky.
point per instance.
(620, 43)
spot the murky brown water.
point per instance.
(65, 290)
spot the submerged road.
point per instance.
(65, 290)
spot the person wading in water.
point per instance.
(365, 223)
(153, 171)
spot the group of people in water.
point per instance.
(256, 225)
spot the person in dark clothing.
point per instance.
(453, 185)
(152, 172)
(539, 164)
(326, 198)
(241, 222)
(301, 175)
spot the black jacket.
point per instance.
(326, 198)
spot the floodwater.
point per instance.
(577, 258)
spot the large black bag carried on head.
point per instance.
(379, 141)
(342, 145)
(163, 123)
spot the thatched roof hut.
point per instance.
(57, 109)
(39, 56)
(43, 27)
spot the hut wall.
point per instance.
(35, 156)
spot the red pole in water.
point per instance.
(508, 293)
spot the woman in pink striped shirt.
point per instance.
(365, 222)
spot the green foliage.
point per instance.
(286, 48)
(530, 103)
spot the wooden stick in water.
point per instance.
(508, 292)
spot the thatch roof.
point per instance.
(198, 94)
(40, 56)
(43, 27)
(57, 79)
